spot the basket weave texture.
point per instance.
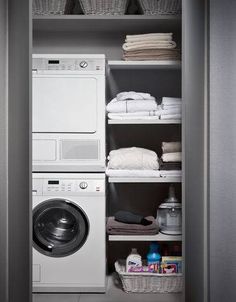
(49, 7)
(104, 7)
(160, 7)
(148, 282)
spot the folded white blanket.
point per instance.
(132, 95)
(132, 106)
(151, 36)
(133, 159)
(130, 46)
(172, 157)
(170, 116)
(132, 173)
(170, 173)
(171, 101)
(135, 115)
(169, 147)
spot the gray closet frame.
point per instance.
(209, 77)
(15, 154)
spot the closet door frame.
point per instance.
(195, 149)
(15, 151)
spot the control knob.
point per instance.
(83, 185)
(83, 64)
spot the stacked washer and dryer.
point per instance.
(69, 173)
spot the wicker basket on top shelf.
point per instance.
(160, 7)
(104, 7)
(148, 282)
(52, 7)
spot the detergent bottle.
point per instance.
(154, 258)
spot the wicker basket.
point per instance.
(49, 7)
(104, 7)
(148, 282)
(160, 7)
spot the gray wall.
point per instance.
(15, 159)
(193, 92)
(222, 150)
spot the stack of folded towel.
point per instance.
(153, 46)
(171, 108)
(140, 105)
(133, 105)
(170, 161)
(126, 223)
(133, 162)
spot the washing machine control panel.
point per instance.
(68, 186)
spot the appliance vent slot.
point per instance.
(79, 149)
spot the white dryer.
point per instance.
(68, 118)
(69, 232)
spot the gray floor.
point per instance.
(114, 294)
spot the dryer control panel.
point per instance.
(62, 187)
(59, 64)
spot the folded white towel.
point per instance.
(133, 159)
(135, 115)
(174, 110)
(132, 106)
(172, 157)
(132, 95)
(171, 106)
(171, 101)
(169, 147)
(170, 116)
(130, 46)
(132, 173)
(150, 36)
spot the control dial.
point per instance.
(83, 64)
(83, 185)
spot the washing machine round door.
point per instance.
(60, 228)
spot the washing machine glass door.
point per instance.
(60, 228)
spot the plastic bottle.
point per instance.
(154, 258)
(133, 260)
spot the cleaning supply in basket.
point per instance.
(153, 258)
(171, 265)
(133, 261)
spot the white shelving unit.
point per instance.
(143, 121)
(157, 237)
(144, 179)
(119, 64)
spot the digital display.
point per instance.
(53, 182)
(53, 62)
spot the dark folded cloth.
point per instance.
(119, 228)
(169, 165)
(131, 218)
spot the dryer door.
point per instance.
(65, 104)
(60, 228)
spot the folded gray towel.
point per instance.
(131, 218)
(119, 228)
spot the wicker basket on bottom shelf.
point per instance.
(148, 282)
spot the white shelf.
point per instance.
(165, 64)
(157, 237)
(144, 121)
(144, 179)
(93, 23)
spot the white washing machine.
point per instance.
(68, 119)
(69, 233)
